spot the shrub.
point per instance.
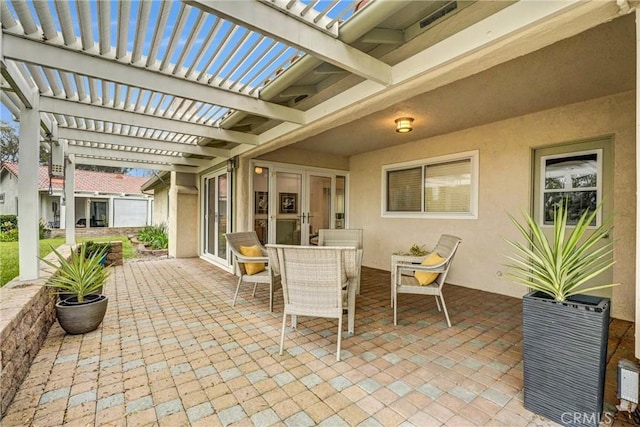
(154, 236)
(93, 248)
(8, 222)
(44, 231)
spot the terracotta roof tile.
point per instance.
(90, 181)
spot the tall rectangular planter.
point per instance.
(565, 356)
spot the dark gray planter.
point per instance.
(565, 356)
(76, 318)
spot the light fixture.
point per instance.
(404, 124)
(258, 170)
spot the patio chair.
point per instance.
(252, 263)
(344, 237)
(427, 277)
(316, 281)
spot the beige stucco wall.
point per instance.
(183, 216)
(296, 156)
(160, 205)
(505, 152)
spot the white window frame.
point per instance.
(473, 203)
(543, 161)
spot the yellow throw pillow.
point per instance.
(252, 267)
(424, 277)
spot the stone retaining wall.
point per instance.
(98, 231)
(27, 311)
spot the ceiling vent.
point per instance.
(444, 10)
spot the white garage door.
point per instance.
(129, 213)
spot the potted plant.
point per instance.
(81, 277)
(565, 332)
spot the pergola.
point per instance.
(186, 85)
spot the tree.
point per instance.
(9, 145)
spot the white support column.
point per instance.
(63, 213)
(28, 203)
(150, 211)
(70, 201)
(111, 208)
(87, 213)
(637, 331)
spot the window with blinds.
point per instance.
(448, 187)
(404, 190)
(441, 188)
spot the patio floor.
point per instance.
(172, 351)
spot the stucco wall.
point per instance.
(305, 157)
(183, 216)
(160, 205)
(505, 150)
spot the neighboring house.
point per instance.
(105, 199)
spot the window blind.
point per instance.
(404, 190)
(448, 187)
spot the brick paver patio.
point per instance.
(172, 352)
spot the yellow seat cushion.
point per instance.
(424, 277)
(252, 267)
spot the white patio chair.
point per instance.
(351, 237)
(405, 281)
(244, 264)
(316, 281)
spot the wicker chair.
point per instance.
(404, 281)
(316, 281)
(269, 276)
(351, 237)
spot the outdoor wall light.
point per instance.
(404, 124)
(258, 170)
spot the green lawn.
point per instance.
(9, 253)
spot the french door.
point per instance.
(290, 206)
(578, 175)
(217, 206)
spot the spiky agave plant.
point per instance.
(560, 268)
(79, 275)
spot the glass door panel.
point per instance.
(221, 215)
(287, 209)
(210, 244)
(261, 203)
(318, 212)
(340, 202)
(216, 222)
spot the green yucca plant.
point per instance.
(560, 268)
(79, 275)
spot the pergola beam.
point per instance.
(135, 156)
(142, 143)
(57, 57)
(80, 160)
(107, 114)
(275, 24)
